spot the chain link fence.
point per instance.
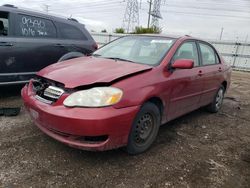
(236, 54)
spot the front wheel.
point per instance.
(144, 129)
(218, 100)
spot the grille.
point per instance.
(53, 92)
(47, 91)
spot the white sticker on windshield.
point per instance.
(162, 41)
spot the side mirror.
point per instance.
(183, 64)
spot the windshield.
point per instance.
(137, 49)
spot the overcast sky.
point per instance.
(200, 18)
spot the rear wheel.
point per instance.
(218, 100)
(144, 129)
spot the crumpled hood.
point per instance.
(89, 70)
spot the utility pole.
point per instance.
(246, 38)
(221, 33)
(149, 12)
(131, 15)
(46, 8)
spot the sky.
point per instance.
(199, 18)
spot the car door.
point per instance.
(186, 83)
(73, 39)
(7, 41)
(36, 42)
(210, 72)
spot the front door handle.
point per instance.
(200, 73)
(59, 45)
(5, 44)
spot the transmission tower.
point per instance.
(156, 13)
(131, 16)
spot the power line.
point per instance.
(88, 6)
(94, 10)
(205, 14)
(206, 8)
(211, 3)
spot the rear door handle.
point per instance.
(220, 69)
(5, 44)
(200, 73)
(60, 45)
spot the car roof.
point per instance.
(177, 37)
(166, 36)
(14, 9)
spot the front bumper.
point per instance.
(71, 125)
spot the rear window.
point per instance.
(68, 31)
(29, 26)
(4, 24)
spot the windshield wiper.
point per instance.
(119, 59)
(96, 55)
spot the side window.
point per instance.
(208, 55)
(4, 24)
(188, 50)
(68, 31)
(29, 26)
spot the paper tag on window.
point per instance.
(162, 41)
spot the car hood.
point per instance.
(89, 70)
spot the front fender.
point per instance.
(137, 97)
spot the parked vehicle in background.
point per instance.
(30, 41)
(131, 87)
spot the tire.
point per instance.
(144, 129)
(217, 101)
(70, 55)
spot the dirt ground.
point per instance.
(197, 150)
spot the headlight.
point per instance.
(95, 97)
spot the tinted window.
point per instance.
(68, 31)
(188, 50)
(29, 26)
(4, 24)
(208, 55)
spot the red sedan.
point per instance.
(122, 93)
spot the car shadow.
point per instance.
(10, 91)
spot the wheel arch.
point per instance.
(224, 84)
(70, 55)
(158, 102)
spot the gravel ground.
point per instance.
(197, 150)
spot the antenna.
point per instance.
(131, 16)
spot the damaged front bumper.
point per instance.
(84, 128)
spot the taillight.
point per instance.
(95, 46)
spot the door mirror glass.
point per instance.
(183, 64)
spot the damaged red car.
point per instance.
(122, 93)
